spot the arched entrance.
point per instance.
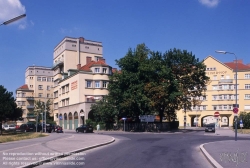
(60, 120)
(65, 121)
(75, 120)
(224, 121)
(70, 121)
(207, 120)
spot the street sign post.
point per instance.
(235, 110)
(216, 116)
(241, 125)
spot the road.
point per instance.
(149, 150)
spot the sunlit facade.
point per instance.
(220, 94)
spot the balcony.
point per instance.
(30, 106)
(57, 64)
(31, 115)
(30, 98)
(226, 81)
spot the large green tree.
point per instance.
(154, 83)
(40, 107)
(8, 107)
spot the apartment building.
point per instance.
(38, 86)
(220, 95)
(80, 79)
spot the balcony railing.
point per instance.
(30, 106)
(29, 98)
(57, 64)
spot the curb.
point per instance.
(31, 165)
(209, 157)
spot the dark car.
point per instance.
(84, 128)
(26, 128)
(210, 127)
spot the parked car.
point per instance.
(27, 128)
(58, 129)
(9, 127)
(210, 127)
(84, 128)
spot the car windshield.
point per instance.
(210, 125)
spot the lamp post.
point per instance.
(45, 115)
(236, 87)
(42, 121)
(13, 19)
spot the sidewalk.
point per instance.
(38, 153)
(228, 153)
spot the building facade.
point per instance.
(80, 79)
(38, 86)
(220, 95)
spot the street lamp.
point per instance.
(42, 121)
(236, 87)
(13, 19)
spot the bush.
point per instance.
(245, 117)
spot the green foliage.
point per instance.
(245, 119)
(152, 83)
(40, 108)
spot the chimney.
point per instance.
(88, 60)
(78, 66)
(81, 39)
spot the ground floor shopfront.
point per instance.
(71, 117)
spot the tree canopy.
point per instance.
(155, 83)
(8, 106)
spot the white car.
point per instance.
(9, 127)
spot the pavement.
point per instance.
(220, 154)
(231, 153)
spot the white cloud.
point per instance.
(210, 3)
(10, 9)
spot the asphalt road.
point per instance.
(148, 150)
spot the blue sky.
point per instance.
(199, 26)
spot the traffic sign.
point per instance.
(235, 110)
(216, 114)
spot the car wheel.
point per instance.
(77, 131)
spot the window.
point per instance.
(215, 87)
(47, 95)
(48, 79)
(215, 77)
(97, 70)
(247, 96)
(63, 103)
(56, 94)
(225, 107)
(89, 84)
(247, 107)
(215, 107)
(63, 89)
(204, 107)
(67, 88)
(97, 84)
(104, 70)
(220, 107)
(23, 94)
(214, 97)
(104, 84)
(44, 79)
(40, 95)
(67, 102)
(230, 107)
(48, 87)
(222, 76)
(55, 105)
(220, 97)
(40, 87)
(39, 79)
(225, 97)
(247, 76)
(247, 86)
(235, 76)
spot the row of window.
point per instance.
(102, 70)
(246, 76)
(96, 84)
(40, 87)
(44, 79)
(228, 87)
